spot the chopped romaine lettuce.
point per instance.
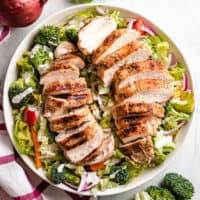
(23, 138)
(121, 22)
(183, 101)
(105, 121)
(173, 117)
(104, 90)
(106, 183)
(160, 48)
(177, 71)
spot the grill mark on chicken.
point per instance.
(67, 86)
(131, 108)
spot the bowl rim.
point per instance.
(26, 159)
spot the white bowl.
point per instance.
(11, 76)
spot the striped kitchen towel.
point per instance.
(18, 181)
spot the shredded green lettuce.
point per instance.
(160, 48)
(177, 71)
(121, 22)
(173, 117)
(183, 101)
(23, 138)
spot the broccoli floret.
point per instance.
(50, 36)
(173, 117)
(18, 87)
(181, 187)
(72, 35)
(119, 174)
(64, 176)
(41, 57)
(158, 193)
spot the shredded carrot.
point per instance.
(98, 166)
(37, 148)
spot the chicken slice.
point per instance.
(151, 96)
(134, 132)
(67, 72)
(71, 120)
(65, 87)
(129, 53)
(94, 33)
(140, 108)
(64, 135)
(117, 39)
(141, 151)
(141, 86)
(102, 153)
(64, 48)
(78, 138)
(131, 120)
(139, 70)
(75, 155)
(69, 59)
(57, 106)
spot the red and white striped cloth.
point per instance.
(17, 180)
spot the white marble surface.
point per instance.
(181, 20)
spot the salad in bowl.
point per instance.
(98, 99)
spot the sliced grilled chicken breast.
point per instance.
(131, 52)
(64, 135)
(138, 131)
(128, 72)
(69, 59)
(131, 108)
(141, 86)
(93, 34)
(78, 153)
(68, 72)
(57, 106)
(72, 141)
(65, 87)
(131, 120)
(140, 151)
(151, 96)
(71, 120)
(64, 48)
(117, 39)
(102, 153)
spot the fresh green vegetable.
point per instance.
(177, 71)
(106, 183)
(159, 47)
(105, 121)
(18, 87)
(121, 22)
(181, 187)
(65, 175)
(183, 102)
(72, 35)
(104, 90)
(87, 15)
(50, 36)
(173, 117)
(82, 1)
(23, 138)
(119, 174)
(158, 193)
(142, 196)
(41, 57)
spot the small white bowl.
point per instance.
(148, 174)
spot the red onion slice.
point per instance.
(148, 30)
(83, 184)
(185, 82)
(4, 33)
(100, 10)
(172, 130)
(130, 24)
